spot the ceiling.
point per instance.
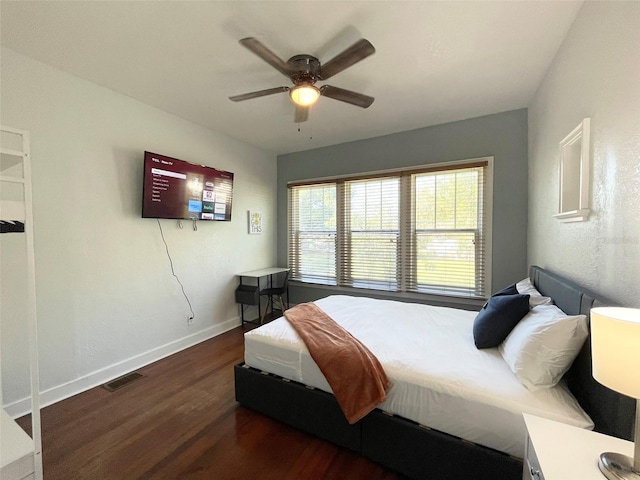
(435, 62)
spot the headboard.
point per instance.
(611, 412)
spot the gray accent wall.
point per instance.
(502, 136)
(596, 74)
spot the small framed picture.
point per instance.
(255, 222)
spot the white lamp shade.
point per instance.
(615, 348)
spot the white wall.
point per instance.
(106, 300)
(596, 74)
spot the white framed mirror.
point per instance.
(575, 172)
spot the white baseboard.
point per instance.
(69, 389)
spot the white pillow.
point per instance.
(543, 345)
(525, 287)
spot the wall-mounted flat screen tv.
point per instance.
(185, 191)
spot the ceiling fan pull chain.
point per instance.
(310, 131)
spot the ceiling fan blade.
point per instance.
(348, 96)
(259, 93)
(352, 55)
(302, 114)
(267, 55)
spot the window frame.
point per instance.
(405, 228)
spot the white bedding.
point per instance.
(440, 379)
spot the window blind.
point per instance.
(368, 241)
(312, 233)
(415, 231)
(447, 232)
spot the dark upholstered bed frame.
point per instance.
(417, 451)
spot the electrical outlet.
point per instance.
(189, 320)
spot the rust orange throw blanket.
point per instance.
(355, 375)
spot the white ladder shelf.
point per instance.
(16, 158)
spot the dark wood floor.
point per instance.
(181, 421)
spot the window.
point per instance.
(407, 231)
(448, 216)
(312, 221)
(369, 239)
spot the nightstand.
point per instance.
(556, 451)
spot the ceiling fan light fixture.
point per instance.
(304, 95)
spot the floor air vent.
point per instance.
(120, 382)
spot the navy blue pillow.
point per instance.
(497, 318)
(510, 290)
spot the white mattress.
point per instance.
(440, 379)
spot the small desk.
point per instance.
(263, 272)
(250, 294)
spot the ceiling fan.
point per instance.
(304, 71)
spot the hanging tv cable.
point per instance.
(172, 269)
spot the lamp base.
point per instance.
(615, 466)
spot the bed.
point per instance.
(406, 432)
